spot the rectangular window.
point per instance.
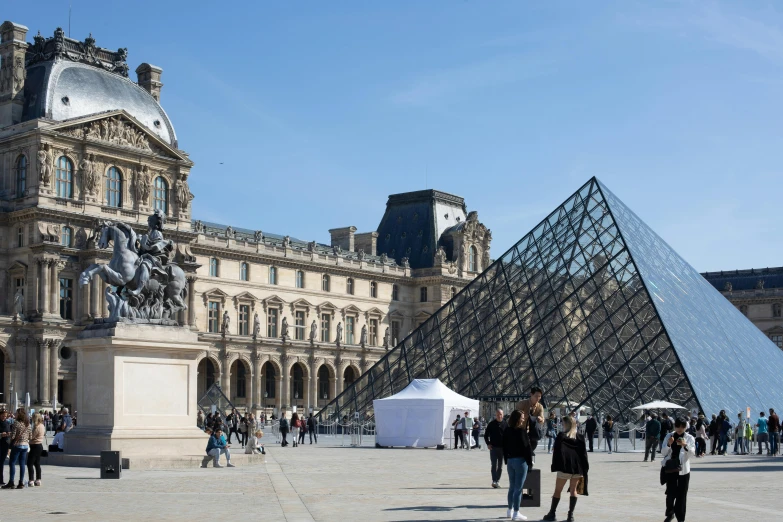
(323, 389)
(213, 317)
(244, 319)
(299, 318)
(271, 323)
(777, 339)
(395, 332)
(20, 237)
(19, 284)
(423, 294)
(66, 298)
(373, 337)
(349, 329)
(326, 323)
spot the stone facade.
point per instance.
(287, 322)
(758, 294)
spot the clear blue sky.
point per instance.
(318, 111)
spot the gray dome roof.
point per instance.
(62, 90)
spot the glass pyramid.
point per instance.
(596, 309)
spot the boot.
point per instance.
(551, 515)
(9, 485)
(571, 506)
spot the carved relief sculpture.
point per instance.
(284, 329)
(143, 185)
(117, 131)
(19, 74)
(226, 323)
(363, 337)
(89, 175)
(386, 338)
(256, 326)
(313, 329)
(19, 305)
(184, 196)
(339, 335)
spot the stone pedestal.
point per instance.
(136, 391)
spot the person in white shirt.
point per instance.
(678, 446)
(254, 445)
(58, 442)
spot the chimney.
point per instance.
(367, 241)
(149, 79)
(343, 237)
(12, 72)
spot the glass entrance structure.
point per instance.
(599, 311)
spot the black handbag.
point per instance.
(672, 466)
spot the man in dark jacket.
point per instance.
(6, 422)
(311, 425)
(653, 429)
(773, 425)
(591, 425)
(493, 436)
(233, 424)
(667, 426)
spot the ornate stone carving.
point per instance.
(337, 250)
(89, 174)
(45, 164)
(311, 246)
(256, 326)
(363, 336)
(760, 284)
(60, 47)
(405, 262)
(440, 256)
(386, 338)
(184, 195)
(19, 74)
(728, 286)
(258, 236)
(19, 305)
(113, 130)
(5, 72)
(361, 255)
(313, 330)
(284, 329)
(226, 324)
(384, 258)
(339, 335)
(287, 242)
(143, 283)
(143, 185)
(229, 233)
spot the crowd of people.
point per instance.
(23, 442)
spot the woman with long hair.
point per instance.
(36, 449)
(569, 461)
(20, 445)
(609, 432)
(518, 456)
(295, 425)
(701, 436)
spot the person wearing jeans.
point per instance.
(38, 434)
(653, 429)
(217, 446)
(5, 440)
(518, 455)
(739, 442)
(493, 437)
(762, 435)
(20, 445)
(773, 422)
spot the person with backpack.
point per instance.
(302, 431)
(283, 429)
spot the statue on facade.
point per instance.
(361, 255)
(284, 329)
(226, 323)
(184, 196)
(44, 164)
(339, 336)
(19, 305)
(256, 326)
(258, 236)
(440, 256)
(20, 73)
(405, 262)
(89, 175)
(144, 284)
(384, 258)
(311, 246)
(386, 338)
(229, 232)
(313, 329)
(363, 336)
(728, 286)
(337, 250)
(142, 185)
(287, 242)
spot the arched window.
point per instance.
(213, 267)
(349, 375)
(473, 260)
(299, 279)
(323, 383)
(272, 275)
(210, 377)
(349, 286)
(297, 382)
(241, 380)
(325, 283)
(373, 289)
(243, 272)
(20, 237)
(160, 197)
(66, 236)
(21, 176)
(64, 178)
(269, 385)
(113, 187)
(395, 293)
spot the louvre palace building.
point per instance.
(287, 322)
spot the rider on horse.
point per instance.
(153, 252)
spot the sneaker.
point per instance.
(205, 461)
(229, 465)
(37, 482)
(508, 513)
(216, 465)
(645, 460)
(518, 516)
(10, 485)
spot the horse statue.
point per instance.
(143, 284)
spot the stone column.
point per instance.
(286, 382)
(279, 400)
(95, 296)
(314, 383)
(84, 301)
(255, 382)
(54, 290)
(44, 347)
(333, 387)
(43, 297)
(225, 376)
(191, 312)
(308, 395)
(30, 385)
(340, 382)
(104, 303)
(54, 371)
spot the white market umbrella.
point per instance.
(659, 405)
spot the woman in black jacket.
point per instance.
(518, 456)
(569, 461)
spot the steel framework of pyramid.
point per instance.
(596, 309)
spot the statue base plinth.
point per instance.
(136, 390)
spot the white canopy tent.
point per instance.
(659, 405)
(420, 416)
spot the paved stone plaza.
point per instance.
(329, 482)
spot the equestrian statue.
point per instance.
(143, 283)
